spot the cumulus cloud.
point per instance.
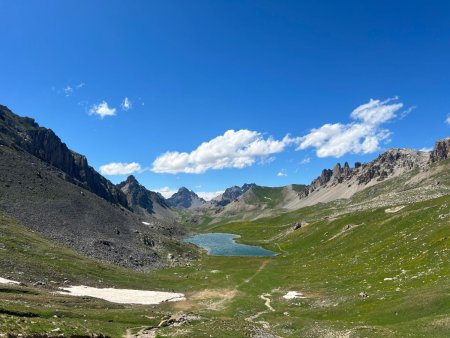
(165, 191)
(233, 149)
(208, 195)
(282, 173)
(448, 120)
(126, 104)
(118, 168)
(102, 109)
(361, 136)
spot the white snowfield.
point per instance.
(293, 295)
(7, 281)
(124, 296)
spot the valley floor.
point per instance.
(380, 272)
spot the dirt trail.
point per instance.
(266, 298)
(263, 323)
(261, 268)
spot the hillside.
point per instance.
(376, 273)
(43, 186)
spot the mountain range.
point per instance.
(67, 198)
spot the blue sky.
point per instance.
(197, 70)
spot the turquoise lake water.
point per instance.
(218, 244)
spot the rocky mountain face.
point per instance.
(143, 201)
(231, 194)
(391, 163)
(441, 150)
(25, 134)
(53, 191)
(185, 199)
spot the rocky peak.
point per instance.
(441, 150)
(131, 180)
(346, 171)
(337, 171)
(139, 198)
(186, 199)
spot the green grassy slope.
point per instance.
(400, 259)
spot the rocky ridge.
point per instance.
(391, 163)
(25, 134)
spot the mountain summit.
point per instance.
(186, 199)
(143, 201)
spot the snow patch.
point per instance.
(7, 281)
(293, 295)
(146, 223)
(394, 210)
(124, 296)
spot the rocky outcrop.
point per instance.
(185, 199)
(231, 194)
(389, 163)
(25, 134)
(143, 201)
(441, 150)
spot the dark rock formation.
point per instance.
(185, 199)
(24, 133)
(141, 200)
(441, 150)
(346, 172)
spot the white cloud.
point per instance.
(102, 109)
(448, 120)
(68, 90)
(118, 168)
(282, 173)
(233, 149)
(362, 136)
(208, 195)
(165, 191)
(126, 104)
(306, 160)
